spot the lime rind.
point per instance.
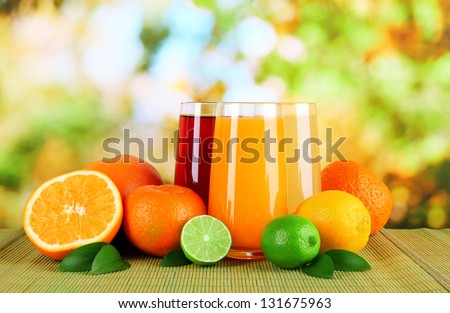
(205, 240)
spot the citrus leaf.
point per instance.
(80, 260)
(348, 261)
(322, 267)
(108, 260)
(175, 258)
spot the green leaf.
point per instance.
(80, 260)
(175, 258)
(108, 260)
(322, 267)
(348, 261)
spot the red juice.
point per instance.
(193, 157)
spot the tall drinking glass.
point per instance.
(302, 152)
(248, 173)
(193, 155)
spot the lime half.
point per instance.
(205, 240)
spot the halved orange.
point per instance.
(72, 210)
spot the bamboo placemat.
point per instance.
(430, 249)
(402, 260)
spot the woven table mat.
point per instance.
(7, 236)
(428, 248)
(402, 260)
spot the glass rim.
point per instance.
(222, 108)
(266, 102)
(198, 102)
(250, 102)
(265, 109)
(204, 109)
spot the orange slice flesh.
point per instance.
(72, 210)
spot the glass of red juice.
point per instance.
(194, 145)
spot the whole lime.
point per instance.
(290, 241)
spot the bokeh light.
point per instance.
(73, 73)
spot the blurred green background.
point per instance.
(73, 73)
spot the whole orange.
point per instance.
(155, 215)
(359, 181)
(127, 172)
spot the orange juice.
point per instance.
(302, 155)
(248, 178)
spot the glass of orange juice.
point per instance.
(301, 146)
(248, 172)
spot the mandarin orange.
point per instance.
(359, 181)
(155, 215)
(127, 172)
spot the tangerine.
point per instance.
(127, 172)
(359, 181)
(154, 216)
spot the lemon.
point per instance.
(341, 218)
(290, 241)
